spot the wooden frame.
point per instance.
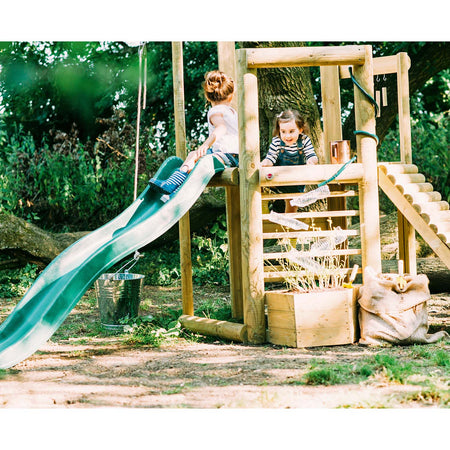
(243, 186)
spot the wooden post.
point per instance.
(406, 232)
(331, 107)
(367, 155)
(332, 130)
(404, 120)
(227, 64)
(180, 137)
(251, 210)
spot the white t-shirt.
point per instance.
(229, 142)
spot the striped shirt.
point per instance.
(275, 145)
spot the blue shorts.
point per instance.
(229, 159)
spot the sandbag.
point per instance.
(394, 310)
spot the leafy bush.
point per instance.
(14, 283)
(62, 185)
(209, 259)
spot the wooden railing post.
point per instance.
(251, 210)
(367, 155)
(227, 64)
(180, 137)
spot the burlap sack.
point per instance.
(394, 314)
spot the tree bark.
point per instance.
(25, 242)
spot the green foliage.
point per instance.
(143, 331)
(209, 259)
(62, 185)
(14, 283)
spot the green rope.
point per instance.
(337, 173)
(367, 134)
(371, 99)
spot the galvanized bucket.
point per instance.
(118, 296)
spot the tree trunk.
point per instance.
(25, 242)
(286, 88)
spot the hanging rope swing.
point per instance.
(141, 103)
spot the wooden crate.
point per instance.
(312, 319)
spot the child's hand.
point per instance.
(266, 163)
(201, 151)
(313, 160)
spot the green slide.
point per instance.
(64, 281)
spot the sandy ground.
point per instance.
(104, 372)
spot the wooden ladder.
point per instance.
(422, 207)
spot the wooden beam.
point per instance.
(367, 155)
(305, 56)
(229, 177)
(331, 107)
(381, 65)
(180, 138)
(251, 208)
(311, 174)
(227, 64)
(221, 328)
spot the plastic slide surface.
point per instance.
(64, 281)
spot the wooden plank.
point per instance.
(281, 336)
(436, 217)
(273, 276)
(305, 56)
(325, 336)
(309, 174)
(273, 196)
(431, 207)
(331, 107)
(308, 234)
(180, 138)
(229, 177)
(342, 252)
(406, 178)
(414, 218)
(420, 197)
(415, 187)
(317, 214)
(381, 65)
(250, 196)
(397, 168)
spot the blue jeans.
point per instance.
(229, 159)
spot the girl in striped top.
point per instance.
(290, 146)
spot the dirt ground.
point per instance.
(105, 372)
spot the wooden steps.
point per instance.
(419, 203)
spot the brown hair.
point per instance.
(217, 86)
(287, 116)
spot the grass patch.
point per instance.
(417, 364)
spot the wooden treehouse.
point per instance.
(252, 267)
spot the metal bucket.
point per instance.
(118, 296)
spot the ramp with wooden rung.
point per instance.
(321, 225)
(422, 207)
